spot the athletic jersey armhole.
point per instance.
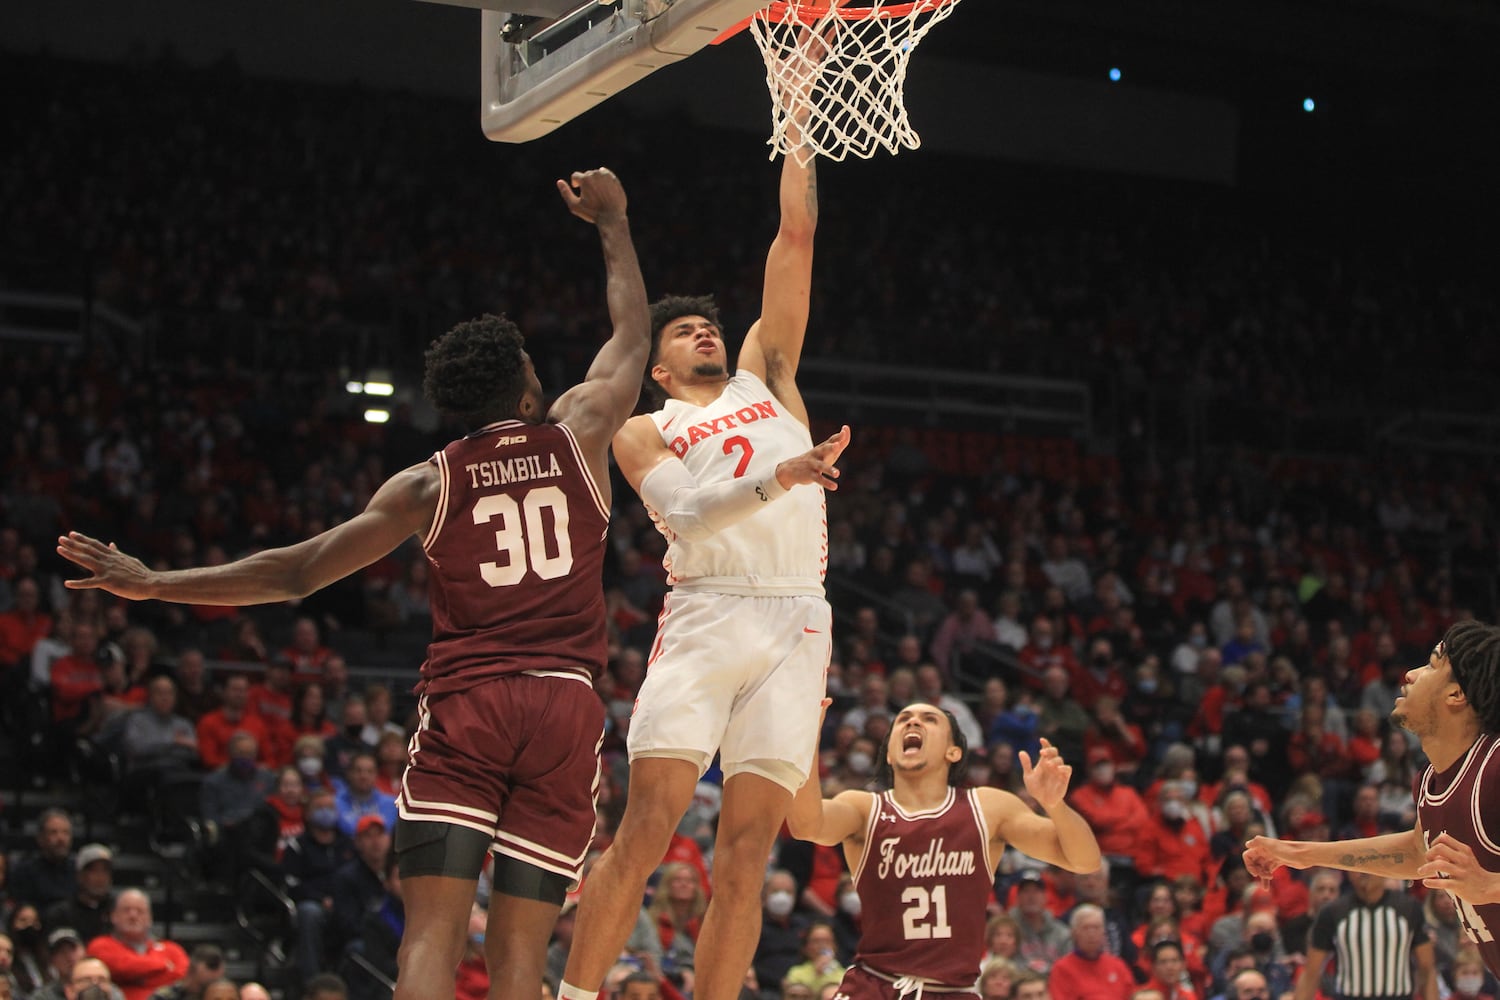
(1485, 809)
(870, 821)
(984, 829)
(583, 466)
(440, 459)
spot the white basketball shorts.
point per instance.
(741, 675)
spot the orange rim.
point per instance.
(781, 12)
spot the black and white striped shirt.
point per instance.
(1372, 943)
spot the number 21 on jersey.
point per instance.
(926, 913)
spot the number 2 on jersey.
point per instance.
(739, 443)
(922, 903)
(523, 535)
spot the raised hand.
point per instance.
(815, 466)
(1046, 780)
(594, 195)
(110, 569)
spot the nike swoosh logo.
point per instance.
(669, 423)
(811, 631)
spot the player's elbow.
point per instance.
(803, 827)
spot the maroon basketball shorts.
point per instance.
(515, 758)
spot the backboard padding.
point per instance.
(521, 101)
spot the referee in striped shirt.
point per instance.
(1376, 935)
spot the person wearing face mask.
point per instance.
(230, 797)
(1114, 810)
(308, 865)
(1468, 976)
(24, 927)
(859, 763)
(310, 758)
(1174, 843)
(782, 930)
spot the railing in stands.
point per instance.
(942, 397)
(65, 320)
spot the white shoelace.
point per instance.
(910, 985)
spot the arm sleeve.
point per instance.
(696, 512)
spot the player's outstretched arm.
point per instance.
(826, 821)
(404, 506)
(1394, 855)
(598, 407)
(1061, 837)
(773, 347)
(695, 512)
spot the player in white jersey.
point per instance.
(729, 474)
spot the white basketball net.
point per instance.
(843, 70)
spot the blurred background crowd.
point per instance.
(1205, 591)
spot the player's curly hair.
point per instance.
(885, 775)
(663, 311)
(476, 371)
(1473, 651)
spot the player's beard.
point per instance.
(710, 369)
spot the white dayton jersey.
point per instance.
(780, 550)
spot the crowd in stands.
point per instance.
(1212, 640)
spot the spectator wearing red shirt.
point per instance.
(138, 963)
(1236, 774)
(1123, 740)
(23, 624)
(1173, 843)
(1114, 811)
(1089, 971)
(215, 728)
(77, 679)
(1314, 749)
(1042, 651)
(306, 655)
(1099, 675)
(271, 701)
(1364, 743)
(1169, 972)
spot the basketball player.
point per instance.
(1452, 704)
(729, 474)
(924, 853)
(512, 518)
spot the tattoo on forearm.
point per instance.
(812, 192)
(1394, 857)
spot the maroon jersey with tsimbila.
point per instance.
(923, 885)
(517, 551)
(1464, 802)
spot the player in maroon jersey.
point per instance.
(512, 518)
(924, 853)
(1452, 703)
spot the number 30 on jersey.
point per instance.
(525, 537)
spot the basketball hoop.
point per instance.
(837, 74)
